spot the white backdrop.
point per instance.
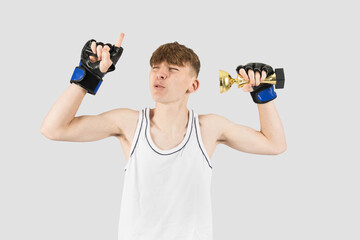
(67, 190)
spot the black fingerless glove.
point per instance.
(264, 92)
(88, 74)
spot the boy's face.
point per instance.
(175, 82)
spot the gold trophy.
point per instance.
(226, 81)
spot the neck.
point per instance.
(169, 118)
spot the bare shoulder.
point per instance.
(124, 118)
(211, 117)
(212, 126)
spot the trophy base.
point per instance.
(280, 78)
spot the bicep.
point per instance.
(87, 128)
(242, 138)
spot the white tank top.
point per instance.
(166, 193)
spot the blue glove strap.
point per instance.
(263, 94)
(84, 78)
(97, 86)
(78, 74)
(266, 95)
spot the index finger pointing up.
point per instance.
(120, 39)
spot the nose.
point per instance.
(162, 73)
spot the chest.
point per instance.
(166, 141)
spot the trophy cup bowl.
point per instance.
(226, 81)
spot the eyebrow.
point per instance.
(170, 66)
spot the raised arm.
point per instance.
(270, 139)
(61, 123)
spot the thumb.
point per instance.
(247, 88)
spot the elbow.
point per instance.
(48, 133)
(280, 149)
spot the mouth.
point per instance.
(158, 86)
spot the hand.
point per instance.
(102, 53)
(254, 78)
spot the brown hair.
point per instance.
(177, 54)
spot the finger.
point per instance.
(243, 74)
(106, 47)
(93, 47)
(93, 59)
(251, 77)
(120, 39)
(106, 54)
(263, 75)
(106, 61)
(257, 78)
(99, 52)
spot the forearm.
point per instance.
(271, 126)
(64, 109)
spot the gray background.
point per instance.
(66, 190)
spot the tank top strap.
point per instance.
(199, 138)
(140, 125)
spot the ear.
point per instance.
(194, 86)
